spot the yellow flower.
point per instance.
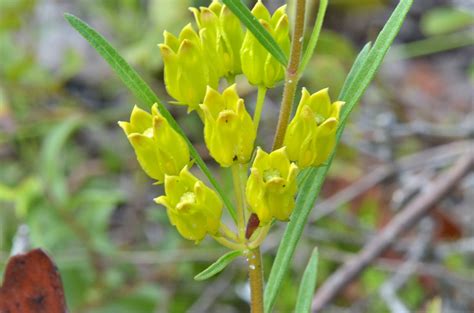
(159, 148)
(222, 37)
(229, 132)
(186, 74)
(192, 207)
(233, 35)
(311, 135)
(260, 67)
(271, 186)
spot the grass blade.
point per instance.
(219, 265)
(313, 40)
(253, 25)
(308, 284)
(356, 84)
(143, 92)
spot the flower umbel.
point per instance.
(159, 148)
(192, 207)
(260, 67)
(271, 186)
(186, 74)
(228, 130)
(311, 135)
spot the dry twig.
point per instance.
(413, 212)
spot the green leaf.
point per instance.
(444, 20)
(308, 53)
(356, 67)
(219, 265)
(355, 85)
(431, 45)
(253, 25)
(143, 92)
(308, 284)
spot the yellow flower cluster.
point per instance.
(194, 63)
(311, 135)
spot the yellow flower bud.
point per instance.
(213, 48)
(222, 37)
(271, 186)
(192, 207)
(186, 75)
(232, 35)
(260, 67)
(229, 132)
(159, 148)
(311, 135)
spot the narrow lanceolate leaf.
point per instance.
(219, 265)
(308, 284)
(313, 40)
(142, 91)
(354, 87)
(253, 25)
(356, 67)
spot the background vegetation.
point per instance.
(69, 181)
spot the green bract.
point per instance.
(271, 186)
(186, 73)
(228, 129)
(311, 135)
(192, 207)
(260, 67)
(159, 148)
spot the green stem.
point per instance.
(228, 243)
(262, 90)
(226, 232)
(291, 79)
(239, 198)
(308, 53)
(260, 237)
(256, 280)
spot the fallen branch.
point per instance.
(434, 156)
(403, 221)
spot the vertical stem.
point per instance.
(262, 90)
(239, 198)
(256, 280)
(314, 35)
(291, 79)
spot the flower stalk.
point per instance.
(292, 76)
(240, 198)
(262, 90)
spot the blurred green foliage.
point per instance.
(63, 161)
(442, 20)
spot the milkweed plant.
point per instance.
(277, 184)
